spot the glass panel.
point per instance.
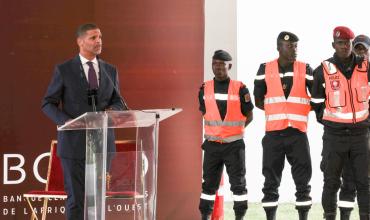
(95, 173)
(133, 177)
(147, 161)
(122, 189)
(143, 160)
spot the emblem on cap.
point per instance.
(286, 37)
(337, 34)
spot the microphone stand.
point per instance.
(92, 98)
(124, 105)
(91, 93)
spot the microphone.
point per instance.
(125, 107)
(92, 98)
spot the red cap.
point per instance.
(343, 33)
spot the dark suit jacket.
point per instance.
(66, 98)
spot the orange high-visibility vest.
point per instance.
(346, 99)
(284, 112)
(232, 127)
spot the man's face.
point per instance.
(342, 47)
(90, 43)
(220, 69)
(361, 50)
(288, 50)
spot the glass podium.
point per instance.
(141, 163)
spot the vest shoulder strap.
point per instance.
(329, 67)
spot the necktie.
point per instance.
(93, 81)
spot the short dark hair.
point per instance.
(82, 29)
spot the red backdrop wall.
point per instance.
(157, 46)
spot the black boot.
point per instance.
(303, 214)
(330, 216)
(345, 213)
(206, 217)
(364, 216)
(270, 213)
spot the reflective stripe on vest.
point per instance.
(347, 100)
(279, 99)
(299, 100)
(349, 116)
(282, 112)
(294, 117)
(232, 127)
(224, 140)
(225, 123)
(223, 97)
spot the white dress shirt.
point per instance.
(86, 67)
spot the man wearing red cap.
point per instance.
(347, 193)
(340, 97)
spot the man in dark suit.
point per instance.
(67, 98)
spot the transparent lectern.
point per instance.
(143, 187)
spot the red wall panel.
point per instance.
(157, 46)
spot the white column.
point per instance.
(220, 33)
